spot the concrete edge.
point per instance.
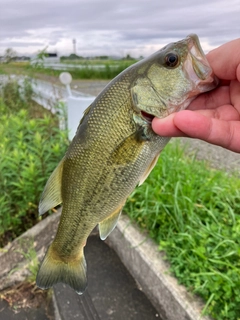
(13, 261)
(137, 252)
(57, 315)
(146, 264)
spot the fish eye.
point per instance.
(171, 60)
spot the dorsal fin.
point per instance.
(85, 113)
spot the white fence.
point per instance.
(57, 99)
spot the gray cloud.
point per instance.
(132, 25)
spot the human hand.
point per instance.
(213, 116)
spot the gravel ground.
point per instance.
(216, 156)
(93, 87)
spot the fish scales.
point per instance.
(114, 150)
(99, 189)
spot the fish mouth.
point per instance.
(198, 68)
(199, 74)
(147, 116)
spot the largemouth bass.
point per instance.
(114, 150)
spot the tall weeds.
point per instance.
(30, 148)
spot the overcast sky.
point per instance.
(110, 27)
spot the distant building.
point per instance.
(48, 58)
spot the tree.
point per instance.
(128, 57)
(38, 61)
(9, 55)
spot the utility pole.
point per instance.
(74, 46)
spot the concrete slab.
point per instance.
(112, 293)
(144, 261)
(6, 313)
(138, 253)
(13, 262)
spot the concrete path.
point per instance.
(112, 292)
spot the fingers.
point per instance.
(209, 100)
(225, 60)
(238, 72)
(166, 127)
(235, 94)
(217, 113)
(184, 123)
(197, 125)
(226, 113)
(216, 131)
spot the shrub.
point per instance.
(30, 150)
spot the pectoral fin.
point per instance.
(52, 195)
(129, 149)
(107, 225)
(149, 169)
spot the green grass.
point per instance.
(92, 62)
(193, 214)
(107, 73)
(111, 69)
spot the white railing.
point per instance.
(60, 100)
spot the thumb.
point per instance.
(166, 127)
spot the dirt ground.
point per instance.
(217, 157)
(89, 87)
(26, 301)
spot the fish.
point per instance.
(114, 150)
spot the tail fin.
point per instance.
(54, 270)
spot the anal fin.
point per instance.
(107, 225)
